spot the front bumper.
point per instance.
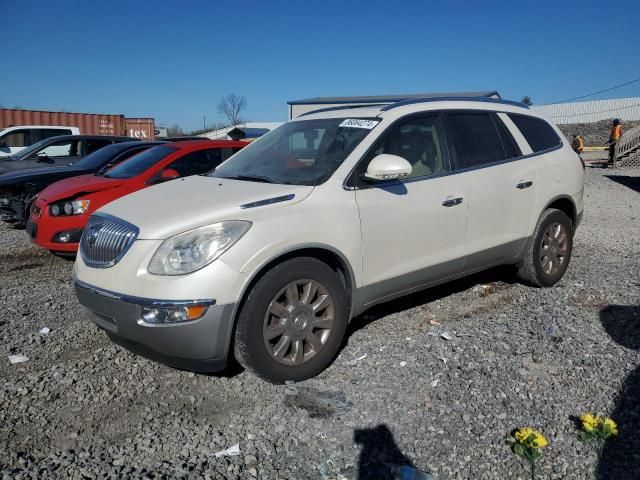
(199, 345)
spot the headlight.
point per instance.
(71, 207)
(190, 251)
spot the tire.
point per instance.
(278, 308)
(552, 241)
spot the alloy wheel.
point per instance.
(298, 322)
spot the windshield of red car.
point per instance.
(140, 163)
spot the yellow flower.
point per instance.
(611, 425)
(589, 422)
(522, 434)
(539, 441)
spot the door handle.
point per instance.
(522, 185)
(452, 202)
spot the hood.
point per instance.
(180, 205)
(40, 174)
(76, 185)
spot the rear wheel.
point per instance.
(292, 322)
(548, 253)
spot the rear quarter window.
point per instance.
(538, 133)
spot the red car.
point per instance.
(61, 210)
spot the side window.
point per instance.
(17, 138)
(96, 144)
(538, 133)
(508, 143)
(227, 152)
(421, 141)
(476, 138)
(196, 163)
(62, 148)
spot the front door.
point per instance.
(413, 230)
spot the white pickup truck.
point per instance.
(14, 139)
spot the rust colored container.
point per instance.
(142, 128)
(88, 123)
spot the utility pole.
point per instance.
(204, 121)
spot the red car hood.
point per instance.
(76, 185)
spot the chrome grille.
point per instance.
(105, 240)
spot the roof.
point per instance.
(206, 144)
(391, 98)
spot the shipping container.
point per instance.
(88, 123)
(142, 128)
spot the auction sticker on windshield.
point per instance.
(359, 123)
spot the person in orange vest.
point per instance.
(614, 136)
(578, 144)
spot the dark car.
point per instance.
(18, 189)
(56, 151)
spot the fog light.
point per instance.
(172, 314)
(67, 236)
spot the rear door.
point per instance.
(413, 230)
(500, 185)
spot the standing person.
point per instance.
(578, 144)
(614, 136)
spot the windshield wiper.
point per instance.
(250, 178)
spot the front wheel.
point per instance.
(292, 322)
(548, 253)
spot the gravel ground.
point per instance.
(399, 393)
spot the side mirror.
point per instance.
(43, 158)
(169, 174)
(387, 167)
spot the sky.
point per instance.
(175, 60)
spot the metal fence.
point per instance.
(593, 111)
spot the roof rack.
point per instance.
(452, 99)
(342, 107)
(394, 98)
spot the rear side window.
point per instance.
(538, 133)
(476, 138)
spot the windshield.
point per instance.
(304, 152)
(140, 163)
(27, 152)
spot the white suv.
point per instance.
(270, 256)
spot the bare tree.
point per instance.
(527, 100)
(231, 106)
(175, 130)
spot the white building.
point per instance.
(243, 131)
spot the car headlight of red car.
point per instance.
(69, 207)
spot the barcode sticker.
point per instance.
(359, 123)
